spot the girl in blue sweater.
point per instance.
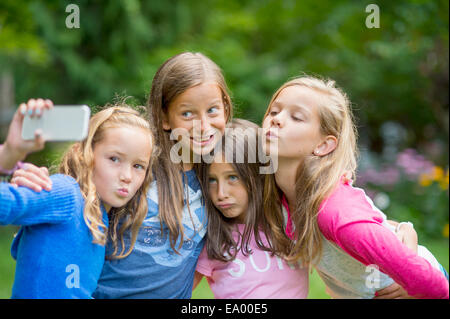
(60, 248)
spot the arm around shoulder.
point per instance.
(351, 221)
(373, 244)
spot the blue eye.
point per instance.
(139, 166)
(114, 159)
(187, 114)
(214, 109)
(211, 180)
(233, 178)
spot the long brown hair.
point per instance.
(78, 162)
(241, 139)
(174, 77)
(316, 176)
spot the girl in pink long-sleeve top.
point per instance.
(329, 223)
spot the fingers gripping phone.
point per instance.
(62, 123)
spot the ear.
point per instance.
(327, 146)
(165, 122)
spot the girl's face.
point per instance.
(121, 159)
(227, 191)
(204, 105)
(292, 125)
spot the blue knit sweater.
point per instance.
(53, 249)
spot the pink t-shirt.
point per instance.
(257, 276)
(348, 219)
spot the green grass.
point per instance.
(7, 263)
(440, 248)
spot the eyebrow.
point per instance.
(224, 173)
(186, 104)
(230, 172)
(123, 154)
(299, 107)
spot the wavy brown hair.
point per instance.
(316, 176)
(175, 76)
(78, 162)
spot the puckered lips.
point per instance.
(122, 192)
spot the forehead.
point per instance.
(219, 166)
(297, 95)
(126, 139)
(203, 93)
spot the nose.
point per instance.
(222, 193)
(276, 120)
(125, 174)
(205, 124)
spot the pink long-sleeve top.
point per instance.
(352, 226)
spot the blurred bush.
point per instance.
(411, 188)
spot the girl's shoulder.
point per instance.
(61, 182)
(65, 188)
(62, 178)
(347, 205)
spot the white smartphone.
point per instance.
(62, 123)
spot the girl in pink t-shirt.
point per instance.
(333, 225)
(238, 260)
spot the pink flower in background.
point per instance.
(387, 176)
(413, 164)
(409, 162)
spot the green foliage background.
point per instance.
(397, 72)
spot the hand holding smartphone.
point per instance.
(61, 123)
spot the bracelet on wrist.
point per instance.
(6, 172)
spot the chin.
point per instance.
(271, 150)
(118, 204)
(202, 150)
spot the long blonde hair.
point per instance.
(78, 162)
(316, 176)
(174, 77)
